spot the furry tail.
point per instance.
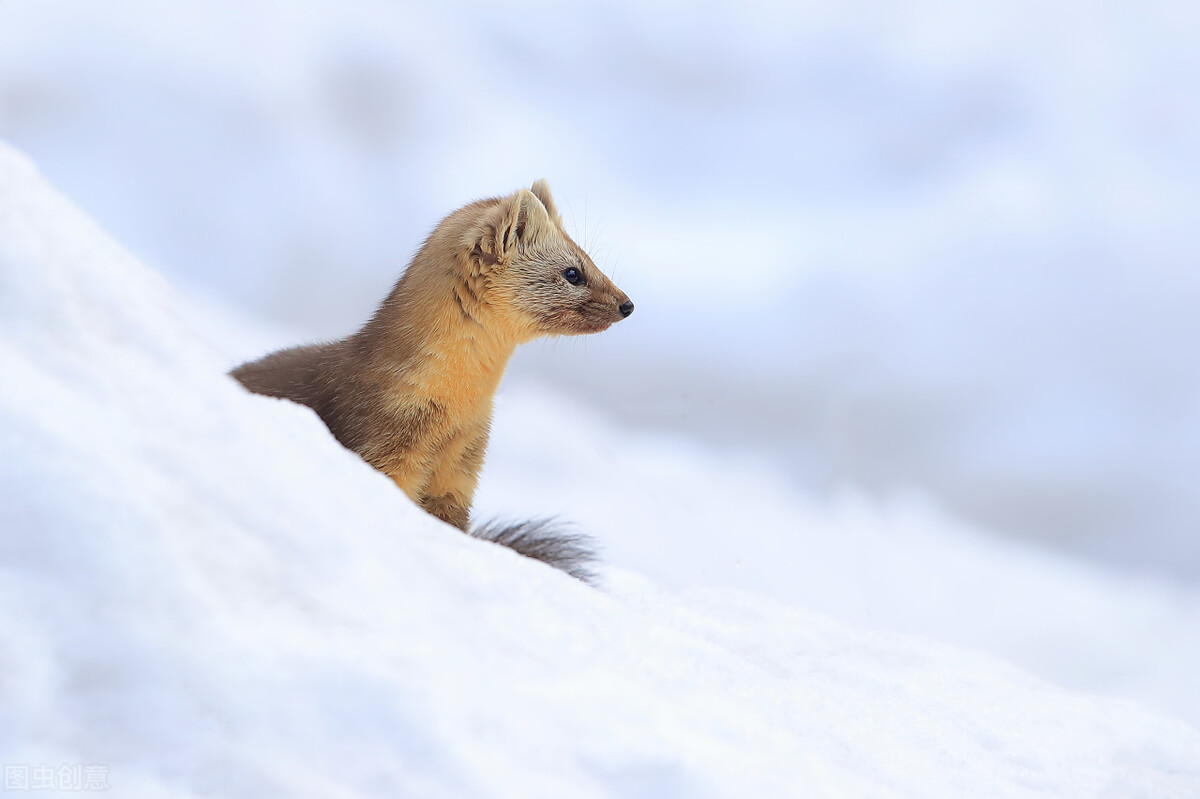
(547, 540)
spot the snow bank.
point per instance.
(206, 595)
(690, 517)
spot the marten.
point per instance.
(411, 392)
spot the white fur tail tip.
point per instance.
(548, 540)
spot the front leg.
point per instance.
(450, 508)
(451, 488)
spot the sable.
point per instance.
(411, 392)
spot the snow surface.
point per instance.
(203, 591)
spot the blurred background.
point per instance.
(939, 247)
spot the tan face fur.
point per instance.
(533, 272)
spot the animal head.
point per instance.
(527, 267)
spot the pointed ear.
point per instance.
(541, 190)
(520, 219)
(513, 221)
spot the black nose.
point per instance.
(626, 308)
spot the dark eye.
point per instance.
(573, 276)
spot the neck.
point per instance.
(436, 338)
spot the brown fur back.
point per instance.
(289, 374)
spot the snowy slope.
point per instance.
(691, 517)
(204, 593)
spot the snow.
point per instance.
(693, 518)
(204, 593)
(915, 287)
